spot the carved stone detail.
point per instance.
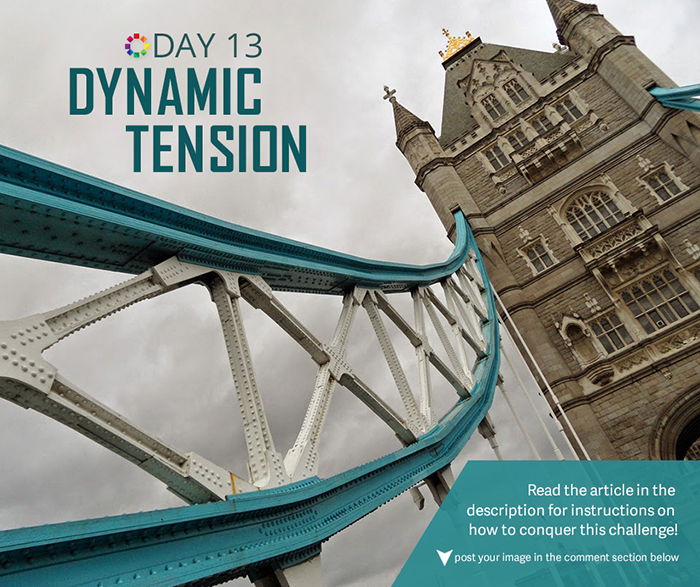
(632, 361)
(668, 345)
(611, 239)
(679, 340)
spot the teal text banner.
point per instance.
(565, 524)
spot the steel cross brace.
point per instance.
(264, 462)
(415, 418)
(302, 459)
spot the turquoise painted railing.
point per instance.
(683, 98)
(57, 214)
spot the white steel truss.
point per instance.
(28, 380)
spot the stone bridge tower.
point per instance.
(583, 194)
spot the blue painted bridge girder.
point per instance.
(683, 98)
(56, 214)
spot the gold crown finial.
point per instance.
(455, 44)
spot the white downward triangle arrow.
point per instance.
(444, 556)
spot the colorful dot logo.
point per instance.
(136, 45)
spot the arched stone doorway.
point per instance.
(676, 434)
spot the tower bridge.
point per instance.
(269, 524)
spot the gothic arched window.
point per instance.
(497, 158)
(516, 92)
(542, 124)
(659, 300)
(494, 108)
(664, 186)
(568, 110)
(517, 140)
(592, 213)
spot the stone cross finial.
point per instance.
(389, 93)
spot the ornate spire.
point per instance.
(404, 119)
(564, 10)
(455, 44)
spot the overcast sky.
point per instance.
(162, 363)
